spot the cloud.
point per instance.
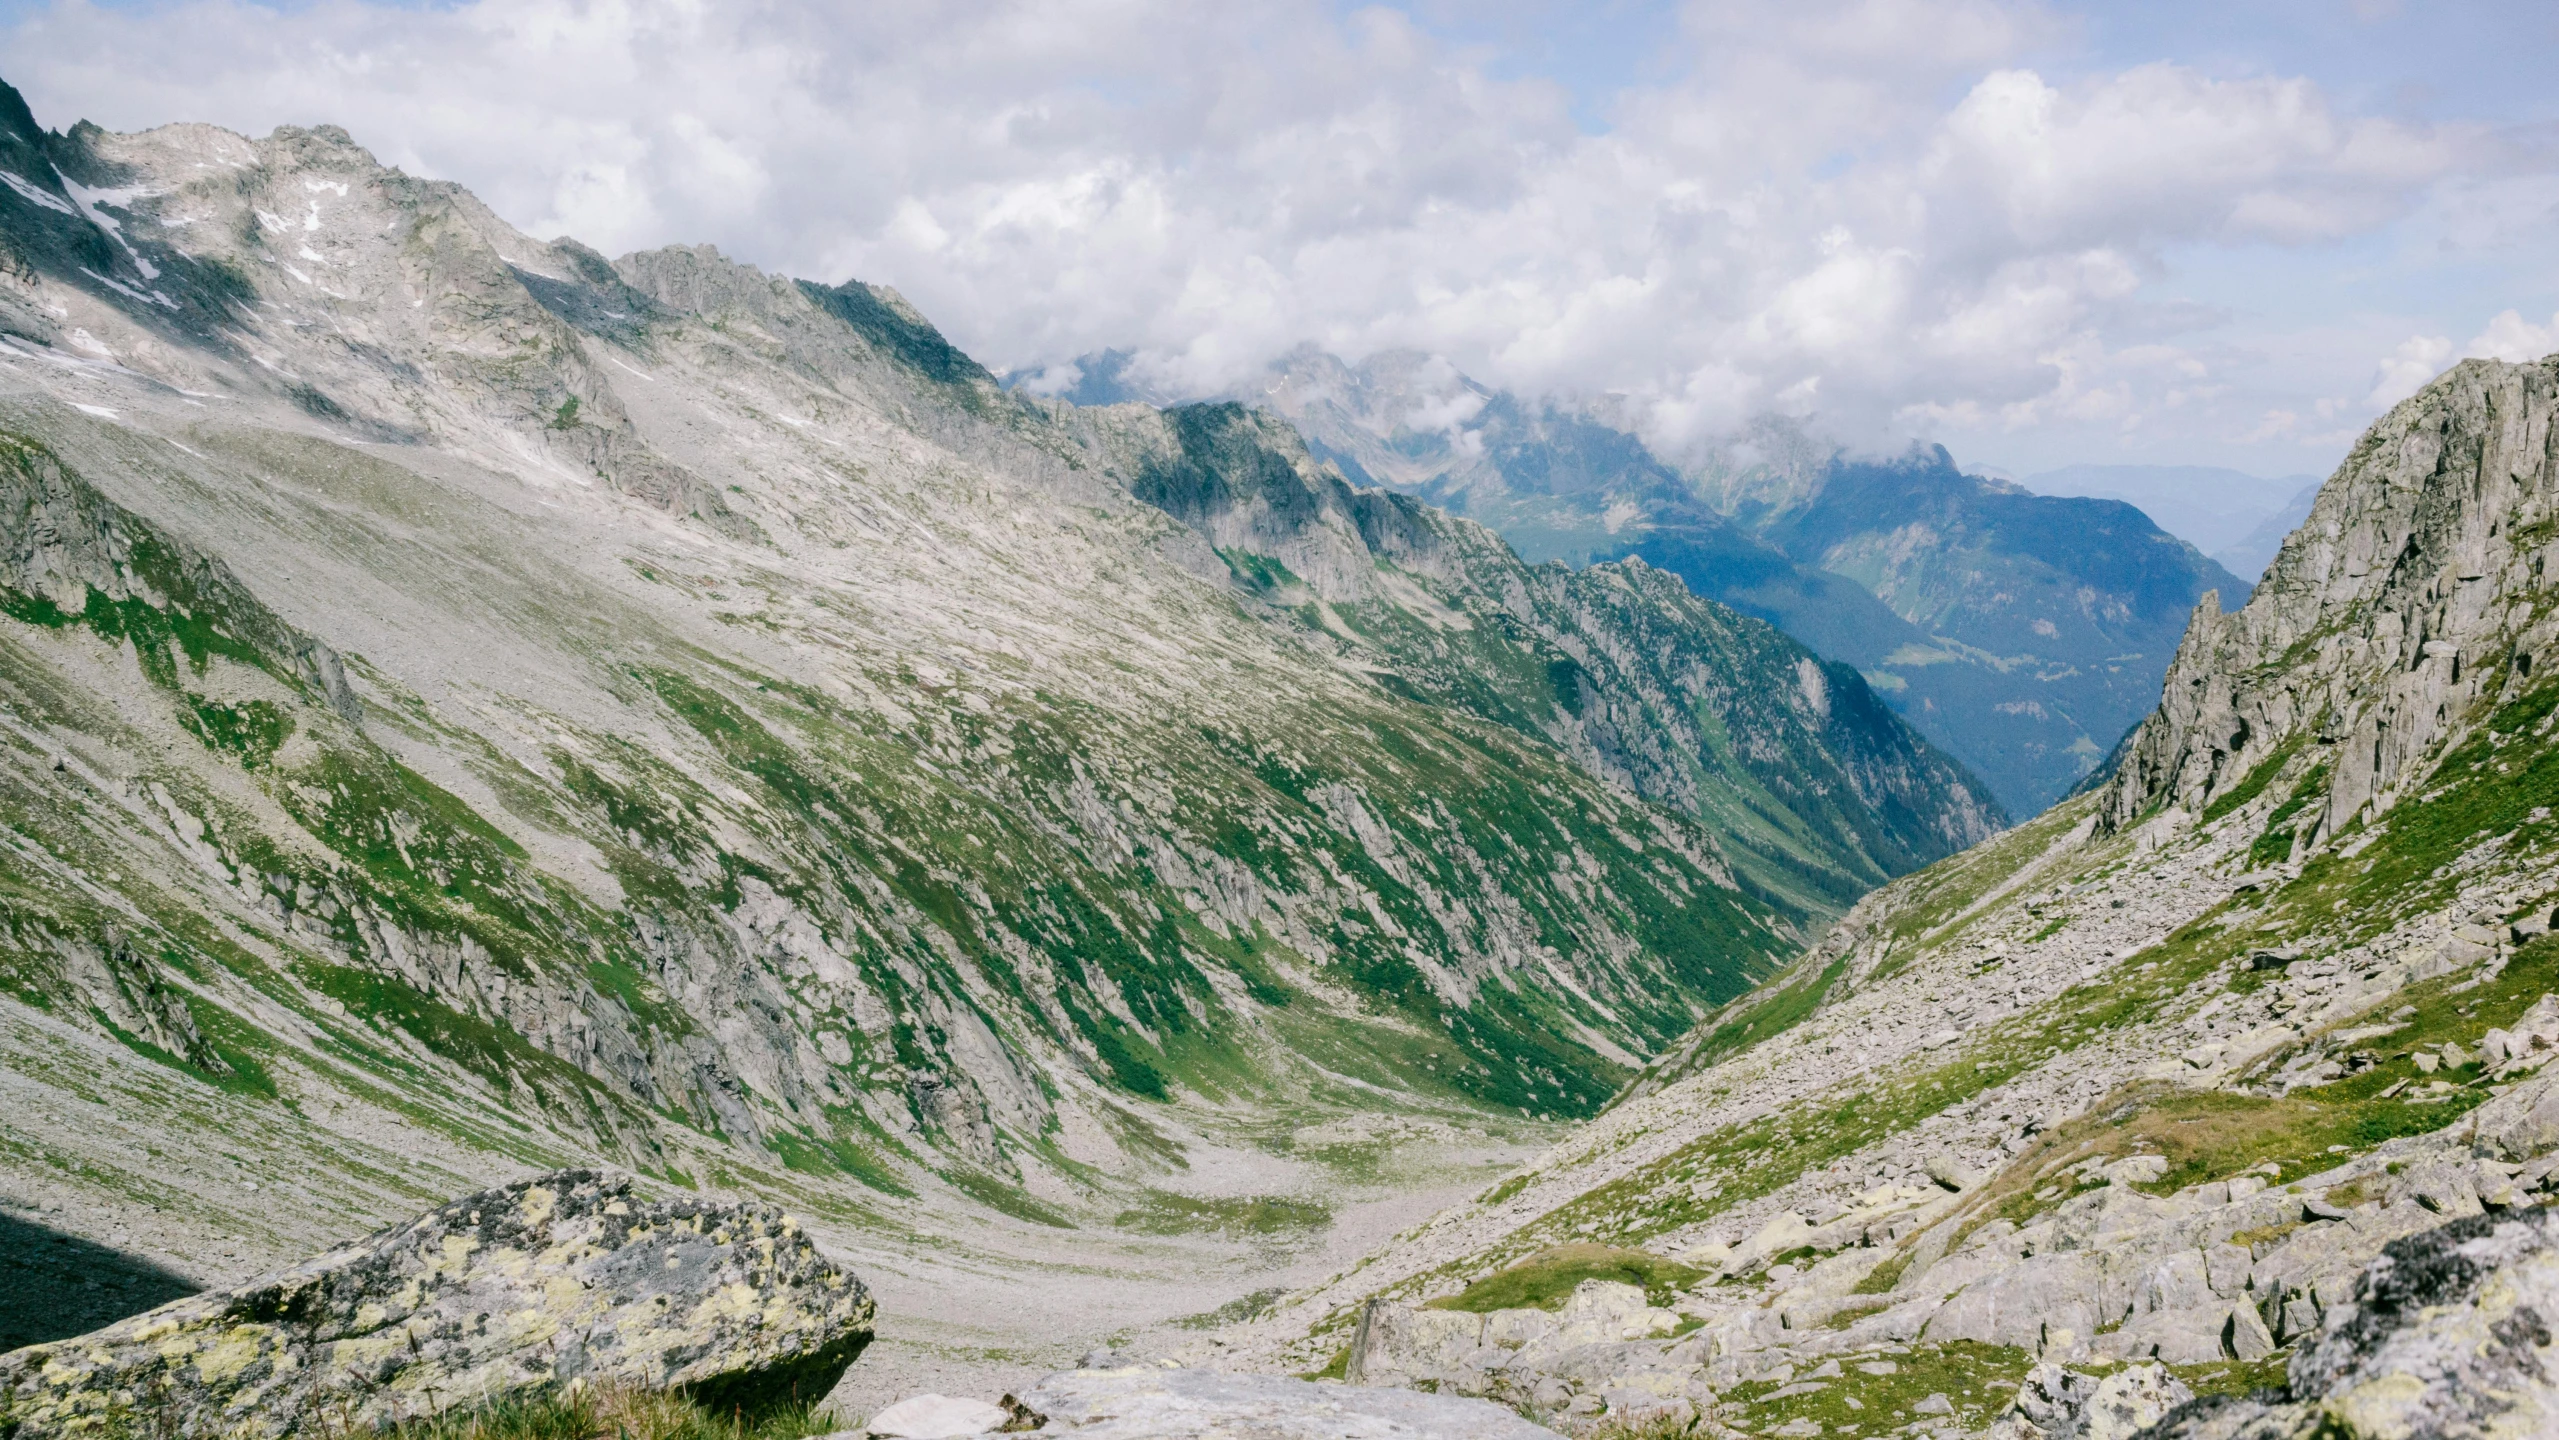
(2405, 370)
(2512, 338)
(1897, 213)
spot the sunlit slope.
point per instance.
(492, 705)
(2338, 825)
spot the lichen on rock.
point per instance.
(566, 1278)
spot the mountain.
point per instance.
(2115, 1109)
(470, 705)
(2023, 634)
(2048, 621)
(2213, 508)
(2256, 550)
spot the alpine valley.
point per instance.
(472, 706)
(646, 787)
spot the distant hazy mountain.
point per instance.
(2256, 550)
(2022, 633)
(2227, 514)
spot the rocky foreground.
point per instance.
(569, 1278)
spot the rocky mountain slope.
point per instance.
(2022, 633)
(2145, 1082)
(470, 705)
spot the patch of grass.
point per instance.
(1001, 1194)
(1885, 1275)
(1762, 1015)
(1235, 1311)
(1337, 1368)
(2234, 1377)
(1977, 1380)
(2499, 786)
(844, 1150)
(1166, 1213)
(602, 1413)
(1545, 1280)
(252, 730)
(2275, 845)
(2255, 782)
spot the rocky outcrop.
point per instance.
(65, 548)
(567, 1277)
(2390, 614)
(2449, 1337)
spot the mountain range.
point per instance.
(2024, 634)
(471, 704)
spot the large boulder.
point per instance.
(526, 1287)
(2449, 1338)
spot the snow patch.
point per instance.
(316, 186)
(101, 411)
(272, 220)
(121, 288)
(612, 358)
(36, 193)
(91, 203)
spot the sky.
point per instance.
(2040, 233)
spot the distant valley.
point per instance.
(2023, 634)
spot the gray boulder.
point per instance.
(2449, 1337)
(564, 1277)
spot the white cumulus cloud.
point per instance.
(1900, 214)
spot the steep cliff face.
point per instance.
(2147, 1081)
(2401, 613)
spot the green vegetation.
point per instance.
(1165, 1213)
(2254, 783)
(2214, 1134)
(591, 1412)
(999, 1193)
(1237, 1311)
(1977, 1380)
(1545, 1280)
(1763, 1014)
(2498, 787)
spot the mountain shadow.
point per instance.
(54, 1285)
